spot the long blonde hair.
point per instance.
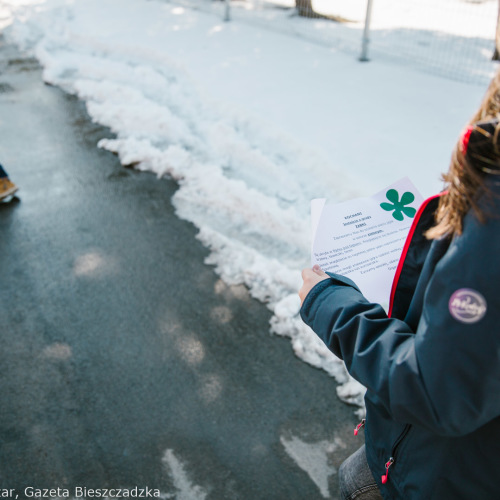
(471, 160)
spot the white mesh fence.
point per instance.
(451, 38)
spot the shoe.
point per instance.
(7, 188)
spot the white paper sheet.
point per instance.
(363, 238)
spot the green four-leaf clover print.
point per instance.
(399, 205)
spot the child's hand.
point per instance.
(311, 277)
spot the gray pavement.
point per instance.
(125, 361)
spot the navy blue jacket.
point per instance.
(431, 368)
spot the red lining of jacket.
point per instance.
(409, 238)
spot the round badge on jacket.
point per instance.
(467, 305)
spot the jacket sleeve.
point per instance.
(446, 375)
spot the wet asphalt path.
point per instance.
(125, 361)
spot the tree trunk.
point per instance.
(305, 9)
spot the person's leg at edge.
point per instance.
(3, 173)
(7, 187)
(356, 480)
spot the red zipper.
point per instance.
(385, 477)
(392, 459)
(359, 426)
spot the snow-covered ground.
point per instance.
(252, 124)
(451, 38)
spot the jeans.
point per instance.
(3, 173)
(356, 480)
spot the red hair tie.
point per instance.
(464, 142)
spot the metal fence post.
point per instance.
(366, 32)
(227, 13)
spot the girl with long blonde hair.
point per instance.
(431, 365)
